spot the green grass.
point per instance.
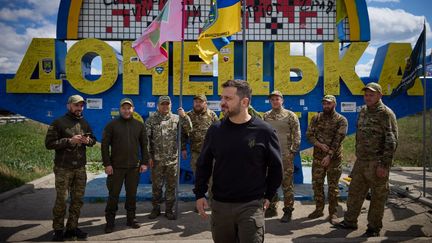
(23, 156)
(410, 146)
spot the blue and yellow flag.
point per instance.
(223, 21)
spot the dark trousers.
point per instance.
(130, 177)
(237, 222)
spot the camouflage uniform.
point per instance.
(69, 170)
(288, 152)
(200, 123)
(376, 142)
(329, 129)
(162, 133)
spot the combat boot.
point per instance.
(58, 235)
(109, 227)
(131, 220)
(76, 233)
(270, 212)
(170, 215)
(155, 212)
(316, 214)
(287, 215)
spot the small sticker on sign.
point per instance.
(56, 88)
(348, 106)
(214, 105)
(206, 68)
(94, 103)
(151, 104)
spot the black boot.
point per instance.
(287, 215)
(58, 235)
(169, 212)
(155, 212)
(131, 220)
(75, 233)
(110, 219)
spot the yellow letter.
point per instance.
(335, 68)
(88, 49)
(255, 61)
(39, 59)
(284, 63)
(389, 65)
(133, 69)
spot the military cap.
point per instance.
(164, 98)
(74, 99)
(329, 98)
(201, 97)
(373, 87)
(126, 101)
(277, 93)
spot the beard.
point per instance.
(231, 113)
(327, 110)
(198, 109)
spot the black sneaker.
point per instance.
(58, 235)
(79, 234)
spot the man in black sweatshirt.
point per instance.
(128, 157)
(247, 169)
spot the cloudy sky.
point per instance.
(390, 20)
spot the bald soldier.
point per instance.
(326, 132)
(376, 142)
(291, 121)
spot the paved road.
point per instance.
(27, 217)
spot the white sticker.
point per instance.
(225, 51)
(151, 104)
(56, 88)
(305, 108)
(302, 102)
(214, 105)
(266, 101)
(348, 106)
(94, 103)
(207, 68)
(134, 59)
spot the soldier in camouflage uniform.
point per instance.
(278, 113)
(69, 136)
(326, 132)
(201, 118)
(162, 129)
(376, 142)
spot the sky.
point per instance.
(390, 21)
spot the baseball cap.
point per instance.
(329, 98)
(277, 93)
(373, 87)
(126, 101)
(164, 98)
(75, 99)
(201, 97)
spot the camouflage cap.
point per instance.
(201, 97)
(126, 101)
(329, 98)
(74, 99)
(373, 87)
(163, 99)
(277, 93)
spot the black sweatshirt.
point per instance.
(248, 163)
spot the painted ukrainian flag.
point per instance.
(223, 21)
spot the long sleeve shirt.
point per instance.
(247, 161)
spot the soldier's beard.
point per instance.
(328, 110)
(234, 112)
(199, 109)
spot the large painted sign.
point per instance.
(49, 73)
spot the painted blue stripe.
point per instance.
(363, 16)
(226, 3)
(62, 19)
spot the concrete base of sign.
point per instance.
(96, 190)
